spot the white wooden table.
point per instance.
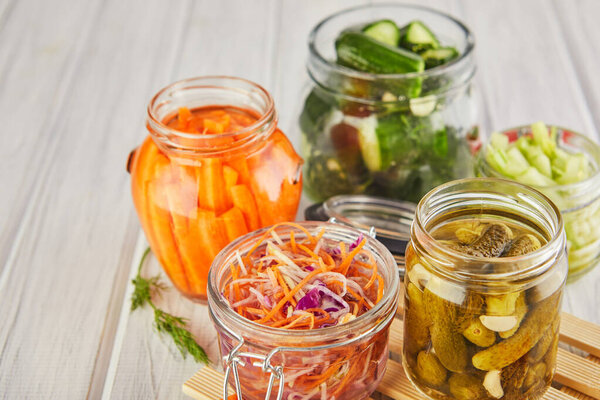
(75, 78)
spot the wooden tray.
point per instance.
(577, 377)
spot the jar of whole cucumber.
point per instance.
(565, 166)
(389, 109)
(486, 268)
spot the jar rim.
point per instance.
(555, 244)
(216, 299)
(469, 40)
(269, 115)
(588, 183)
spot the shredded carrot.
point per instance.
(283, 285)
(236, 286)
(279, 273)
(350, 257)
(293, 242)
(373, 265)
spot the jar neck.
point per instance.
(494, 199)
(210, 91)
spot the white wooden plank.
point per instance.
(230, 38)
(62, 294)
(523, 65)
(56, 296)
(36, 66)
(579, 24)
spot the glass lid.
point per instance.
(390, 219)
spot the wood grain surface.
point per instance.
(75, 78)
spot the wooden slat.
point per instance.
(554, 394)
(206, 384)
(580, 374)
(575, 393)
(580, 333)
(396, 385)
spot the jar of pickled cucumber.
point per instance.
(389, 108)
(486, 268)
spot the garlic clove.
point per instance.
(499, 323)
(493, 384)
(419, 276)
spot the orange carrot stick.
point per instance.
(211, 185)
(235, 224)
(161, 220)
(243, 199)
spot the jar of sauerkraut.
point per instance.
(303, 311)
(486, 268)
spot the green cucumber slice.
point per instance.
(436, 57)
(369, 143)
(422, 106)
(385, 31)
(418, 38)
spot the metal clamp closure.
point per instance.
(236, 357)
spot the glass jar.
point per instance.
(479, 326)
(362, 132)
(347, 361)
(195, 192)
(578, 202)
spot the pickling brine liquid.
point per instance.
(467, 341)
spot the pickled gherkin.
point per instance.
(466, 387)
(492, 242)
(448, 342)
(479, 335)
(525, 338)
(522, 245)
(479, 342)
(543, 345)
(416, 320)
(430, 369)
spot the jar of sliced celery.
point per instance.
(389, 108)
(562, 164)
(486, 268)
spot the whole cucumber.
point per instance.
(360, 52)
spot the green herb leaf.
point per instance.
(144, 289)
(183, 339)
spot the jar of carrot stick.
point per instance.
(213, 167)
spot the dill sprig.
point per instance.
(165, 323)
